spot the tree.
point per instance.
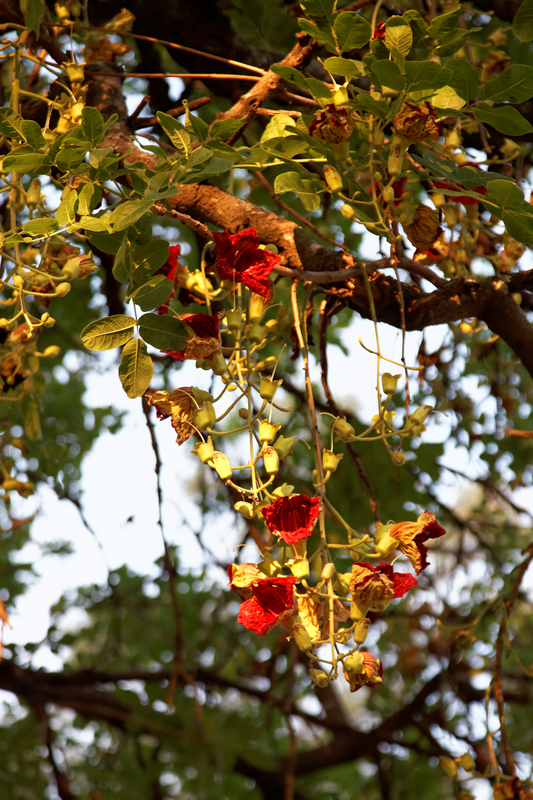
(305, 136)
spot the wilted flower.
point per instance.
(495, 63)
(410, 538)
(180, 404)
(370, 585)
(292, 518)
(204, 340)
(416, 123)
(332, 124)
(425, 230)
(241, 260)
(372, 670)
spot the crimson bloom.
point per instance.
(204, 340)
(370, 675)
(370, 585)
(241, 260)
(292, 518)
(269, 601)
(169, 270)
(381, 30)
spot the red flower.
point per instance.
(204, 340)
(381, 29)
(272, 602)
(292, 518)
(169, 270)
(411, 538)
(241, 260)
(457, 187)
(370, 676)
(370, 585)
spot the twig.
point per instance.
(198, 227)
(148, 122)
(133, 116)
(520, 434)
(172, 45)
(217, 75)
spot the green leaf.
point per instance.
(96, 224)
(129, 212)
(306, 190)
(388, 74)
(320, 9)
(70, 158)
(426, 75)
(277, 127)
(322, 35)
(11, 123)
(33, 134)
(33, 12)
(123, 266)
(352, 31)
(216, 166)
(523, 21)
(33, 163)
(465, 78)
(367, 103)
(107, 333)
(398, 35)
(107, 243)
(66, 213)
(92, 124)
(163, 332)
(89, 197)
(175, 131)
(147, 258)
(136, 368)
(514, 85)
(519, 224)
(40, 227)
(451, 42)
(504, 119)
(153, 293)
(445, 23)
(506, 194)
(225, 128)
(446, 97)
(347, 67)
(195, 125)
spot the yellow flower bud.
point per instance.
(268, 388)
(467, 763)
(343, 431)
(204, 450)
(361, 631)
(301, 637)
(270, 567)
(270, 460)
(357, 611)
(319, 677)
(63, 289)
(421, 414)
(283, 447)
(234, 319)
(220, 463)
(245, 509)
(300, 567)
(75, 74)
(333, 179)
(204, 417)
(268, 431)
(257, 333)
(354, 664)
(33, 195)
(331, 460)
(328, 571)
(52, 351)
(347, 211)
(397, 457)
(285, 490)
(390, 383)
